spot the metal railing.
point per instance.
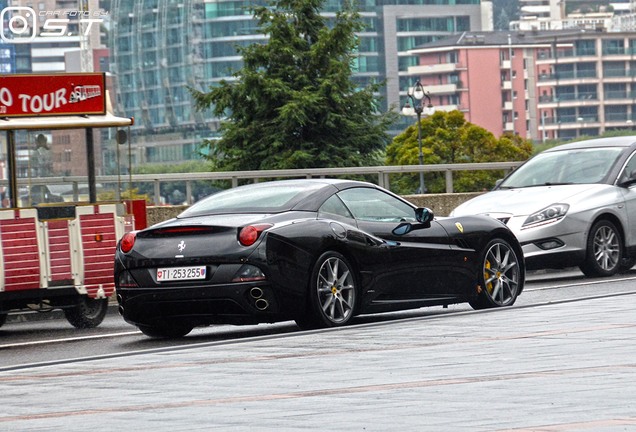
(383, 174)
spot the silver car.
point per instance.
(572, 205)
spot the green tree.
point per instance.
(448, 138)
(293, 104)
(170, 190)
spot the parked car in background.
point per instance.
(317, 251)
(572, 205)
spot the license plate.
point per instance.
(180, 273)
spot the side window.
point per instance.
(369, 204)
(334, 206)
(629, 170)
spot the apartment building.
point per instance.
(539, 85)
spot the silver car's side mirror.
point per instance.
(629, 181)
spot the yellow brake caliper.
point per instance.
(489, 286)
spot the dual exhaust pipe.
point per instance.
(260, 303)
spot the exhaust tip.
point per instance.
(261, 304)
(256, 293)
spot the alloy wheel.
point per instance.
(606, 248)
(336, 290)
(501, 274)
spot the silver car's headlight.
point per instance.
(552, 213)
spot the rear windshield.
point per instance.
(256, 198)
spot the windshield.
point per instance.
(576, 166)
(255, 198)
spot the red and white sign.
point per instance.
(54, 94)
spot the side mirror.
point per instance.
(424, 215)
(403, 228)
(629, 180)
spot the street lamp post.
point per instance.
(417, 95)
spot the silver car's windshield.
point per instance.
(576, 166)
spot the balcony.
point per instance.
(570, 99)
(434, 69)
(442, 89)
(571, 54)
(618, 51)
(569, 75)
(571, 121)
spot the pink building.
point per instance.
(539, 85)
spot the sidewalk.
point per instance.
(561, 367)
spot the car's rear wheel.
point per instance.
(88, 313)
(604, 250)
(333, 293)
(166, 331)
(500, 278)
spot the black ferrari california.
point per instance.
(317, 251)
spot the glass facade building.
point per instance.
(159, 48)
(7, 49)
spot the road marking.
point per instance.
(72, 339)
(570, 285)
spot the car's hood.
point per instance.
(525, 201)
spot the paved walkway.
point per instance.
(560, 367)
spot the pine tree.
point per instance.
(294, 103)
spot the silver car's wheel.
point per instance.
(333, 293)
(604, 253)
(500, 278)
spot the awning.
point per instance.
(64, 122)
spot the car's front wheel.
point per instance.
(500, 278)
(333, 293)
(604, 250)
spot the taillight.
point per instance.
(128, 241)
(250, 233)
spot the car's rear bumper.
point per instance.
(236, 303)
